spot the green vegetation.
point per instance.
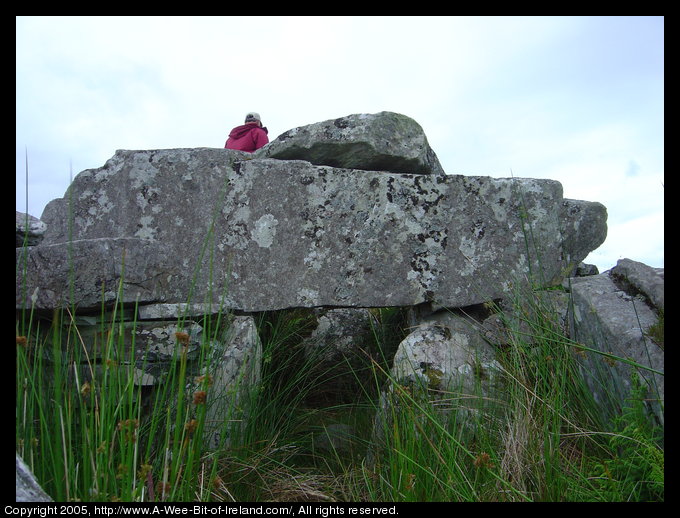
(655, 332)
(91, 433)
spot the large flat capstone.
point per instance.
(214, 225)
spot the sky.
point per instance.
(579, 100)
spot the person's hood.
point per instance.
(241, 131)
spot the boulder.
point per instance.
(615, 324)
(384, 141)
(639, 278)
(445, 365)
(447, 354)
(584, 227)
(515, 322)
(612, 315)
(584, 270)
(27, 487)
(229, 379)
(30, 230)
(206, 226)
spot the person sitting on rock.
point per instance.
(248, 137)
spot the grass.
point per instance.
(81, 422)
(85, 428)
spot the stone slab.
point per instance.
(205, 225)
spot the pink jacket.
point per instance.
(247, 137)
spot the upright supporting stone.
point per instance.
(232, 376)
(615, 324)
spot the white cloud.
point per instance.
(640, 239)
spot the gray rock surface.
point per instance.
(340, 334)
(233, 373)
(27, 487)
(445, 361)
(198, 225)
(87, 272)
(640, 278)
(384, 141)
(448, 355)
(29, 230)
(615, 323)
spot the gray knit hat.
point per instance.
(252, 117)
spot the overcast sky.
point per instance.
(574, 99)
